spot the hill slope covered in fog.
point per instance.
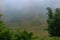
(27, 14)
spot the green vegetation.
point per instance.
(6, 34)
(54, 22)
(53, 29)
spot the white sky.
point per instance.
(25, 4)
(20, 3)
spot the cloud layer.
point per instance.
(13, 8)
(25, 3)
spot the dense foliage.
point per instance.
(54, 22)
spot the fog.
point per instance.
(18, 9)
(29, 15)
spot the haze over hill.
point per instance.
(19, 10)
(13, 9)
(27, 14)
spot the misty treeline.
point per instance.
(53, 29)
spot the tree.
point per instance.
(57, 22)
(4, 32)
(50, 21)
(1, 23)
(54, 22)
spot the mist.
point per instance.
(19, 9)
(19, 17)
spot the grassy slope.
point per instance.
(37, 30)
